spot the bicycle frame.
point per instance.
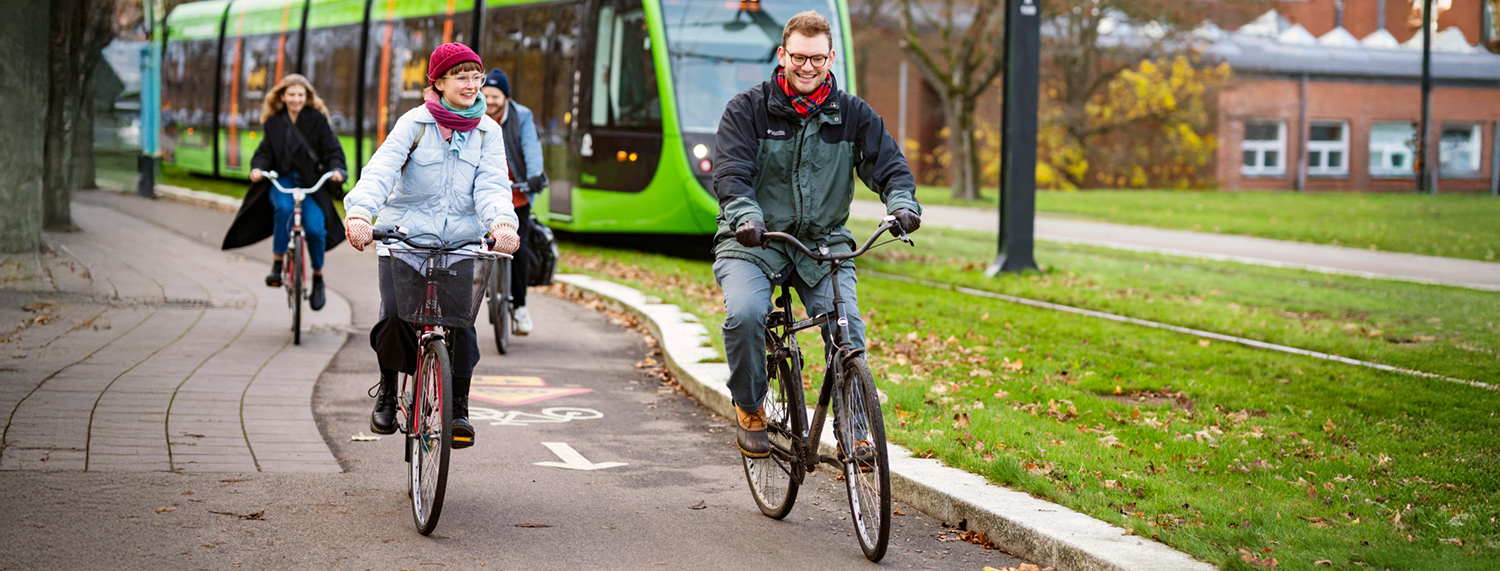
(841, 350)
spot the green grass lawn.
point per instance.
(1234, 455)
(1454, 226)
(121, 168)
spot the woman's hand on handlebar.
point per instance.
(360, 232)
(256, 175)
(507, 241)
(337, 177)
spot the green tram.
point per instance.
(627, 93)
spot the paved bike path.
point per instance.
(161, 353)
(1245, 249)
(1034, 529)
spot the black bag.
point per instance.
(541, 255)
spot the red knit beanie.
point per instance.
(448, 55)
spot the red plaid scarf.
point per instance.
(805, 104)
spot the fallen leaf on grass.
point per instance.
(698, 506)
(961, 420)
(1322, 563)
(1315, 521)
(362, 437)
(1256, 560)
(1452, 541)
(1204, 342)
(532, 525)
(1013, 365)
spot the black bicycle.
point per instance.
(848, 387)
(438, 286)
(501, 309)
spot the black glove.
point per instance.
(907, 220)
(750, 234)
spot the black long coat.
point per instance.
(281, 151)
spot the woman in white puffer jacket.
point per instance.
(442, 171)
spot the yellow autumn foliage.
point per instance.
(1149, 128)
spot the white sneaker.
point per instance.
(523, 320)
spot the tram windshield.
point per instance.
(719, 48)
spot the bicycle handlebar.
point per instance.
(272, 175)
(889, 222)
(390, 235)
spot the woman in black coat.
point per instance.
(300, 146)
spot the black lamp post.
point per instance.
(1018, 138)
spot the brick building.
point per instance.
(1317, 106)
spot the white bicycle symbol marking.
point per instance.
(553, 415)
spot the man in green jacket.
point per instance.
(785, 159)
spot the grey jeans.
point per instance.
(747, 301)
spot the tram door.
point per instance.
(537, 46)
(620, 125)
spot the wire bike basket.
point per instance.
(436, 288)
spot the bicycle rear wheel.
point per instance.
(432, 435)
(773, 479)
(499, 303)
(867, 475)
(295, 285)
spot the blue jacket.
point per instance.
(455, 195)
(520, 134)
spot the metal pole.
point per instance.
(901, 121)
(1302, 134)
(146, 164)
(1426, 175)
(1495, 161)
(1018, 140)
(1380, 14)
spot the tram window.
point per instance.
(625, 93)
(331, 57)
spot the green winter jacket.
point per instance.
(796, 175)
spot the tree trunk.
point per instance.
(57, 176)
(83, 142)
(963, 155)
(23, 37)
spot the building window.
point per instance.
(1328, 149)
(1391, 147)
(1458, 151)
(1264, 148)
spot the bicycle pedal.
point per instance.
(462, 441)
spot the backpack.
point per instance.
(541, 254)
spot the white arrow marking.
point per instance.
(572, 460)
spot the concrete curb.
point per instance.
(179, 194)
(1045, 533)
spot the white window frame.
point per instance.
(1321, 150)
(1476, 146)
(1385, 150)
(1260, 147)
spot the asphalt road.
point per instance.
(678, 501)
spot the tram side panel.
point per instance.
(261, 41)
(334, 34)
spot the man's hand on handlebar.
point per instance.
(750, 234)
(907, 220)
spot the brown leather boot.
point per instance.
(751, 437)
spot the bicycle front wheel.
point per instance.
(295, 286)
(867, 474)
(432, 435)
(773, 479)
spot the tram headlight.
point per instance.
(700, 150)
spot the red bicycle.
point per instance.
(438, 286)
(294, 271)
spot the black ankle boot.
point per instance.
(318, 297)
(463, 432)
(273, 279)
(383, 418)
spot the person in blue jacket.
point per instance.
(523, 152)
(440, 171)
